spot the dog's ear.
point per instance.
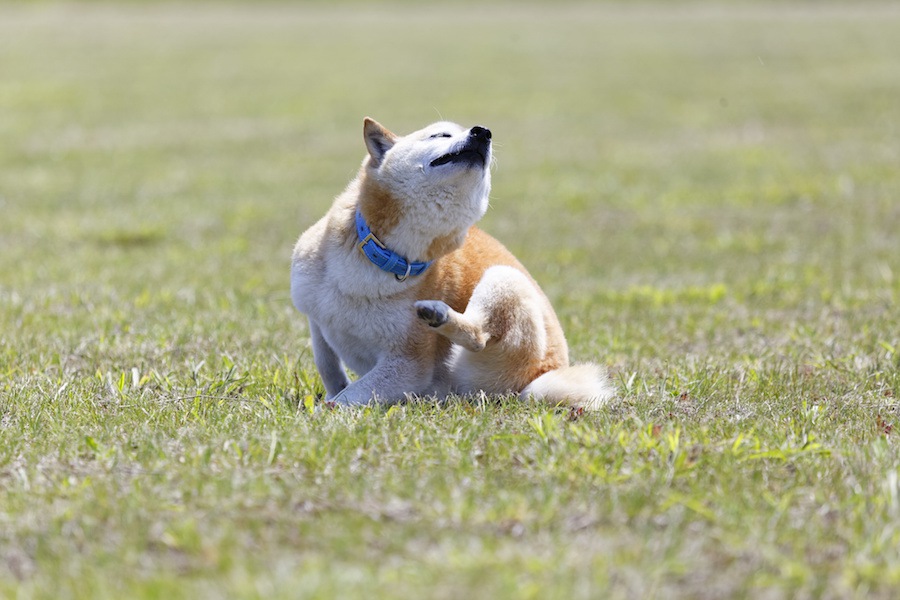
(378, 140)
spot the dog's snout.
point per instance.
(481, 133)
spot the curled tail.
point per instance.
(579, 386)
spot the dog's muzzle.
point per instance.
(472, 152)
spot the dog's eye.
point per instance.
(437, 135)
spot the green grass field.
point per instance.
(709, 195)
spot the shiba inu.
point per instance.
(400, 286)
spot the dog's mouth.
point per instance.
(473, 152)
(469, 157)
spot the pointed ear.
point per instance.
(378, 140)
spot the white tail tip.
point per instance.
(579, 386)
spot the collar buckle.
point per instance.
(370, 238)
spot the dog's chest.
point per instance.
(364, 332)
(360, 329)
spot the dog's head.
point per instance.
(433, 183)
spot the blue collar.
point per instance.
(381, 257)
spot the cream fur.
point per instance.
(474, 321)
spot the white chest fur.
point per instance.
(363, 314)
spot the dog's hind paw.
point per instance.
(434, 312)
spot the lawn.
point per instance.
(709, 194)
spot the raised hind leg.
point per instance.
(465, 329)
(502, 334)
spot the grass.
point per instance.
(709, 197)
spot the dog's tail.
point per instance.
(583, 386)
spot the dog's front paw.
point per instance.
(433, 312)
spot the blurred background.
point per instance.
(663, 169)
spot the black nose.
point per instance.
(479, 132)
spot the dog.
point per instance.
(400, 286)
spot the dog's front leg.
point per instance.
(392, 379)
(327, 362)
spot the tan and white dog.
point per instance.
(402, 288)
